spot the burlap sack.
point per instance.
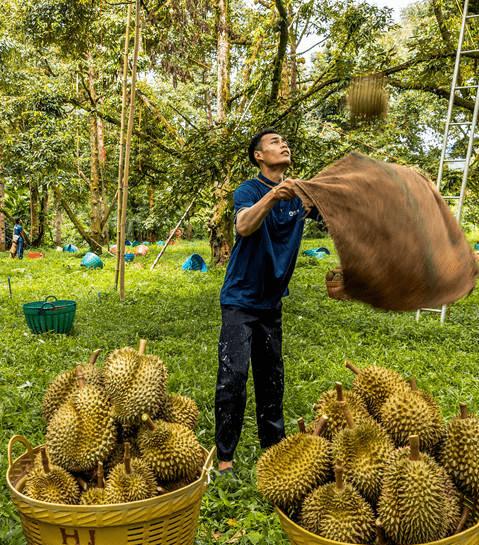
(399, 245)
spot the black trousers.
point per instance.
(245, 335)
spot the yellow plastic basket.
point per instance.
(170, 519)
(300, 536)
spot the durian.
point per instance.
(132, 480)
(328, 405)
(362, 450)
(135, 382)
(460, 453)
(418, 502)
(62, 386)
(412, 412)
(375, 385)
(338, 512)
(96, 494)
(51, 483)
(82, 432)
(172, 450)
(289, 470)
(179, 409)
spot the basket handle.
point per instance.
(46, 306)
(50, 297)
(18, 439)
(207, 463)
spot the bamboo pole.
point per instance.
(172, 234)
(126, 170)
(124, 98)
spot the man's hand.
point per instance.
(284, 191)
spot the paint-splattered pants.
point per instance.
(256, 335)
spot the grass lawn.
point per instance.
(179, 313)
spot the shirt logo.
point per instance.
(293, 212)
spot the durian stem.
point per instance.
(45, 462)
(350, 365)
(94, 356)
(414, 446)
(347, 414)
(148, 421)
(142, 347)
(83, 484)
(339, 477)
(127, 458)
(301, 425)
(339, 391)
(465, 515)
(80, 376)
(320, 425)
(380, 533)
(100, 476)
(161, 490)
(413, 384)
(464, 411)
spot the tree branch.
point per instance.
(282, 45)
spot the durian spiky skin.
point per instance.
(289, 470)
(135, 383)
(64, 384)
(363, 452)
(123, 487)
(339, 515)
(328, 405)
(82, 432)
(93, 496)
(375, 385)
(179, 409)
(459, 454)
(417, 503)
(409, 413)
(172, 451)
(57, 486)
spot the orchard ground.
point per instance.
(178, 312)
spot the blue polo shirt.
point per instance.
(261, 264)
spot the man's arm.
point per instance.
(249, 220)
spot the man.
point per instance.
(269, 224)
(17, 240)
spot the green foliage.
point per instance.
(179, 313)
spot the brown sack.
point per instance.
(399, 245)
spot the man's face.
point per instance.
(273, 151)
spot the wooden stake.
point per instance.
(339, 391)
(142, 347)
(127, 458)
(45, 462)
(414, 445)
(124, 98)
(301, 425)
(464, 411)
(94, 356)
(347, 414)
(320, 425)
(126, 170)
(350, 365)
(148, 421)
(339, 477)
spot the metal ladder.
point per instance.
(471, 125)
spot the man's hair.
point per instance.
(17, 220)
(255, 141)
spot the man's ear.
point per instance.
(258, 155)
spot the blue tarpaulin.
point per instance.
(71, 248)
(319, 253)
(195, 263)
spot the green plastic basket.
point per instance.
(50, 315)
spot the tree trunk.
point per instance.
(221, 224)
(58, 223)
(42, 217)
(282, 45)
(34, 217)
(2, 218)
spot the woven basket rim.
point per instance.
(445, 541)
(204, 477)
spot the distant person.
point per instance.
(18, 240)
(269, 221)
